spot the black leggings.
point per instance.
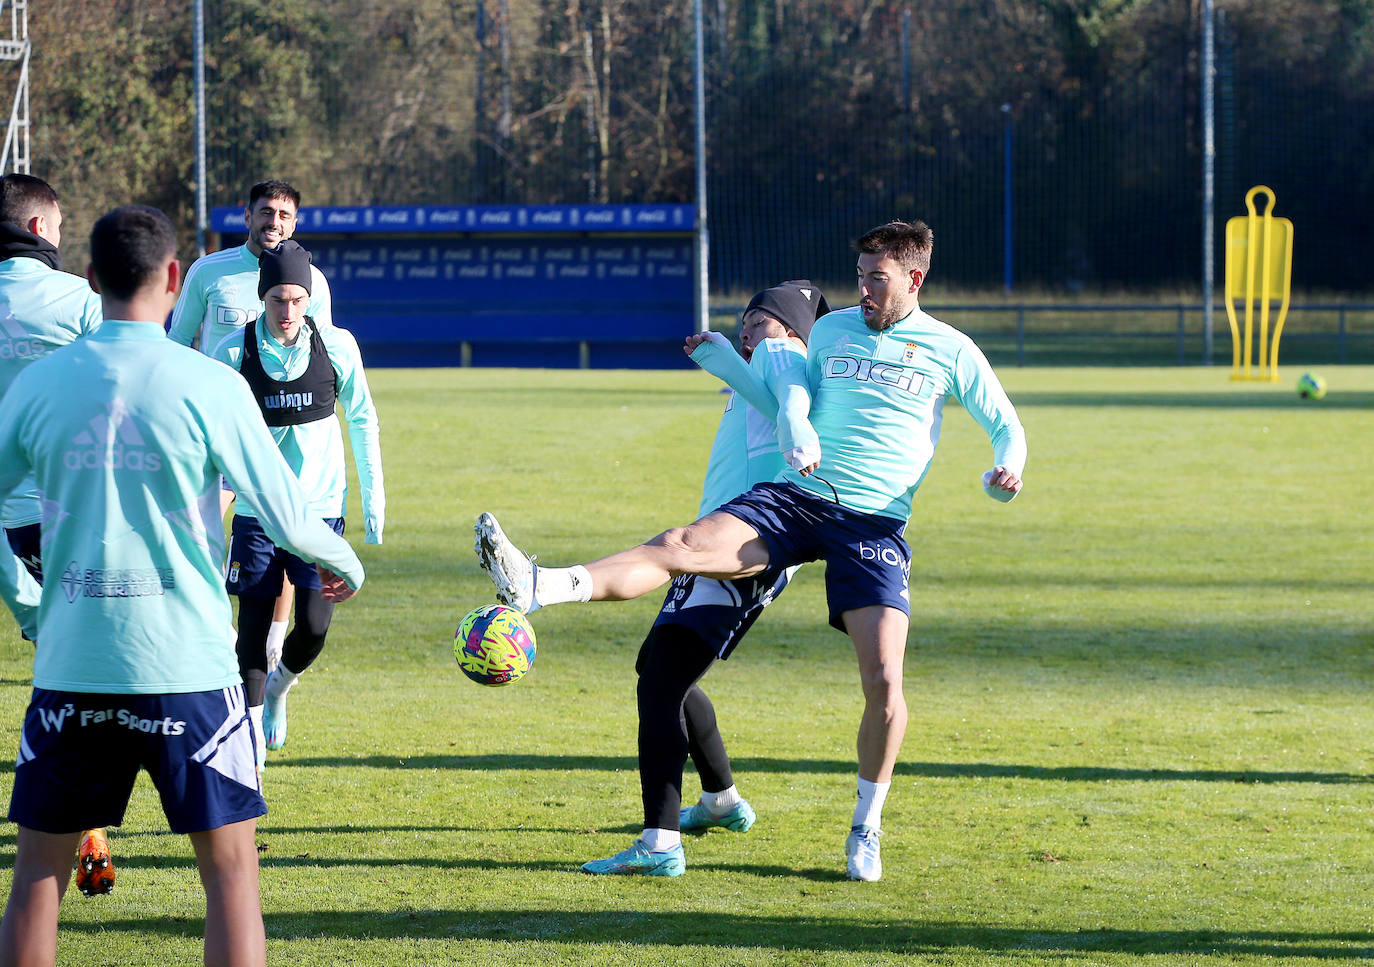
(676, 720)
(303, 645)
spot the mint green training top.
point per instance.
(220, 294)
(315, 450)
(40, 310)
(127, 434)
(877, 404)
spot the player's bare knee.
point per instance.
(688, 547)
(883, 687)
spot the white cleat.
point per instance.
(512, 571)
(861, 846)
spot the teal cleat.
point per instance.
(637, 860)
(274, 722)
(697, 819)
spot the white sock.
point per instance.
(659, 840)
(259, 737)
(557, 585)
(720, 803)
(280, 681)
(868, 811)
(276, 636)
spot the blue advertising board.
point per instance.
(540, 285)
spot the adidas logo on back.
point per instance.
(17, 343)
(112, 442)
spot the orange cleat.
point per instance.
(95, 872)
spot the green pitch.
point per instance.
(1140, 697)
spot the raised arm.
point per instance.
(782, 367)
(774, 384)
(713, 353)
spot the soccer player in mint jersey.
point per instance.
(41, 308)
(703, 619)
(220, 297)
(296, 371)
(127, 435)
(878, 376)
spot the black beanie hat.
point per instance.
(796, 304)
(287, 264)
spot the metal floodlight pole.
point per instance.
(1006, 198)
(703, 236)
(1209, 160)
(198, 42)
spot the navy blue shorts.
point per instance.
(721, 612)
(256, 565)
(26, 544)
(867, 561)
(79, 754)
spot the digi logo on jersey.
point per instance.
(230, 316)
(871, 371)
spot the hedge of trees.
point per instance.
(825, 116)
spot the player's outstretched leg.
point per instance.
(642, 861)
(95, 872)
(719, 545)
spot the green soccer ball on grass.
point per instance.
(1311, 386)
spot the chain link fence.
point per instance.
(1053, 146)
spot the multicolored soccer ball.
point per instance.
(1311, 386)
(494, 645)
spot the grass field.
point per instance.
(1141, 719)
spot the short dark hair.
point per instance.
(24, 196)
(128, 246)
(907, 243)
(273, 189)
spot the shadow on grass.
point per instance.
(792, 934)
(1277, 398)
(930, 770)
(270, 859)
